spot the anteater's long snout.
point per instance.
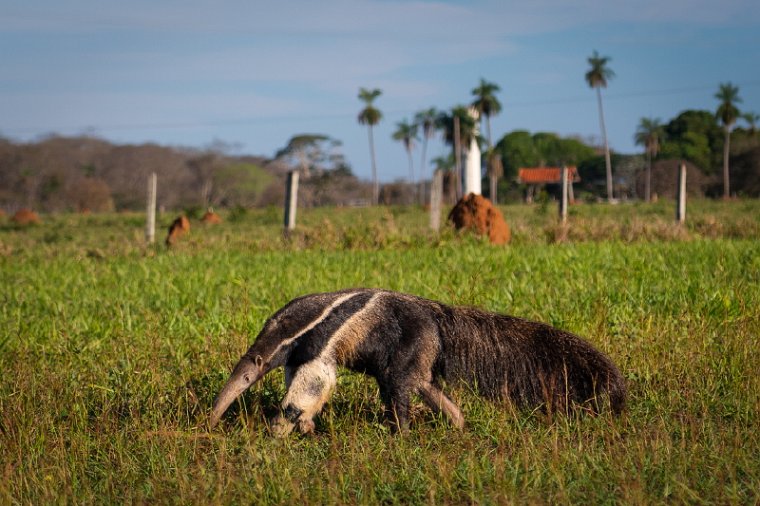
(246, 373)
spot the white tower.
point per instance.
(471, 179)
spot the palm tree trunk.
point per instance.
(488, 131)
(726, 149)
(422, 168)
(411, 166)
(607, 162)
(458, 157)
(648, 181)
(492, 178)
(375, 186)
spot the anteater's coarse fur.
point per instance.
(413, 345)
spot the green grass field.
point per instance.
(111, 354)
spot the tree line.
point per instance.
(86, 173)
(702, 138)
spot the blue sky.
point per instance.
(253, 73)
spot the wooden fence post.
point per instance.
(563, 201)
(291, 201)
(436, 196)
(458, 157)
(150, 222)
(681, 194)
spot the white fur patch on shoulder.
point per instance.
(310, 387)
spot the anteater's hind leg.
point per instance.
(440, 402)
(309, 387)
(411, 372)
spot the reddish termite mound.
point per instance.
(476, 213)
(177, 229)
(26, 217)
(211, 217)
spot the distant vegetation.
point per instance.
(59, 174)
(91, 174)
(692, 136)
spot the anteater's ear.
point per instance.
(258, 361)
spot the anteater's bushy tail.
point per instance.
(532, 364)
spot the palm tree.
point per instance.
(467, 132)
(487, 105)
(407, 133)
(728, 95)
(495, 171)
(446, 165)
(371, 116)
(751, 118)
(597, 78)
(426, 121)
(467, 126)
(648, 134)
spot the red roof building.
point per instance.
(544, 175)
(534, 177)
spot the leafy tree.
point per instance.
(517, 150)
(727, 113)
(751, 118)
(406, 133)
(571, 151)
(648, 134)
(703, 122)
(371, 116)
(746, 172)
(597, 77)
(521, 149)
(312, 153)
(240, 184)
(691, 146)
(594, 170)
(425, 120)
(703, 144)
(557, 151)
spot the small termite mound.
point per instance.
(211, 218)
(26, 217)
(476, 213)
(177, 229)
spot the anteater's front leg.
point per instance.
(309, 387)
(396, 397)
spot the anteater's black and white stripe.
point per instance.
(411, 345)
